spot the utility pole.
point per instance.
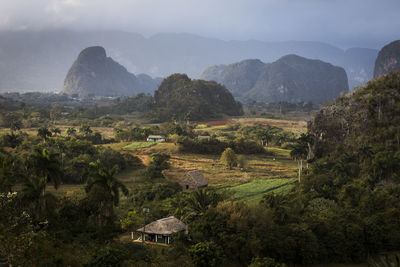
(145, 210)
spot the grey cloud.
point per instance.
(341, 22)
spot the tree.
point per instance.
(7, 174)
(200, 200)
(278, 203)
(55, 112)
(283, 137)
(35, 195)
(158, 162)
(45, 165)
(44, 133)
(228, 158)
(71, 131)
(56, 131)
(16, 231)
(300, 151)
(206, 254)
(266, 134)
(15, 125)
(105, 178)
(85, 129)
(13, 139)
(242, 162)
(104, 189)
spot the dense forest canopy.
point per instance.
(180, 98)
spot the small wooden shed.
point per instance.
(204, 137)
(193, 179)
(161, 231)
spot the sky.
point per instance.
(345, 23)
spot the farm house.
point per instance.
(155, 138)
(192, 180)
(161, 231)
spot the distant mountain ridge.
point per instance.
(95, 74)
(39, 60)
(291, 78)
(388, 59)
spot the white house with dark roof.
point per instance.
(156, 138)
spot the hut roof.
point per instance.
(194, 178)
(165, 226)
(156, 136)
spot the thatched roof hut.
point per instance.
(165, 226)
(193, 179)
(160, 231)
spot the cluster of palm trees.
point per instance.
(103, 186)
(190, 206)
(301, 151)
(42, 168)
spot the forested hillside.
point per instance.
(180, 98)
(345, 207)
(388, 59)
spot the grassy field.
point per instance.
(255, 189)
(136, 145)
(273, 171)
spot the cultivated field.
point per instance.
(273, 171)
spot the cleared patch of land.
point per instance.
(136, 145)
(287, 125)
(255, 189)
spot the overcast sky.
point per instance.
(346, 23)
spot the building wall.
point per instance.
(160, 238)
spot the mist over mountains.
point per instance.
(39, 60)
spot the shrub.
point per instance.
(228, 158)
(242, 162)
(158, 163)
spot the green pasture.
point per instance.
(256, 189)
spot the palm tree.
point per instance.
(56, 131)
(300, 152)
(33, 193)
(44, 133)
(7, 174)
(105, 189)
(267, 134)
(45, 165)
(71, 131)
(200, 200)
(85, 129)
(278, 204)
(179, 204)
(105, 178)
